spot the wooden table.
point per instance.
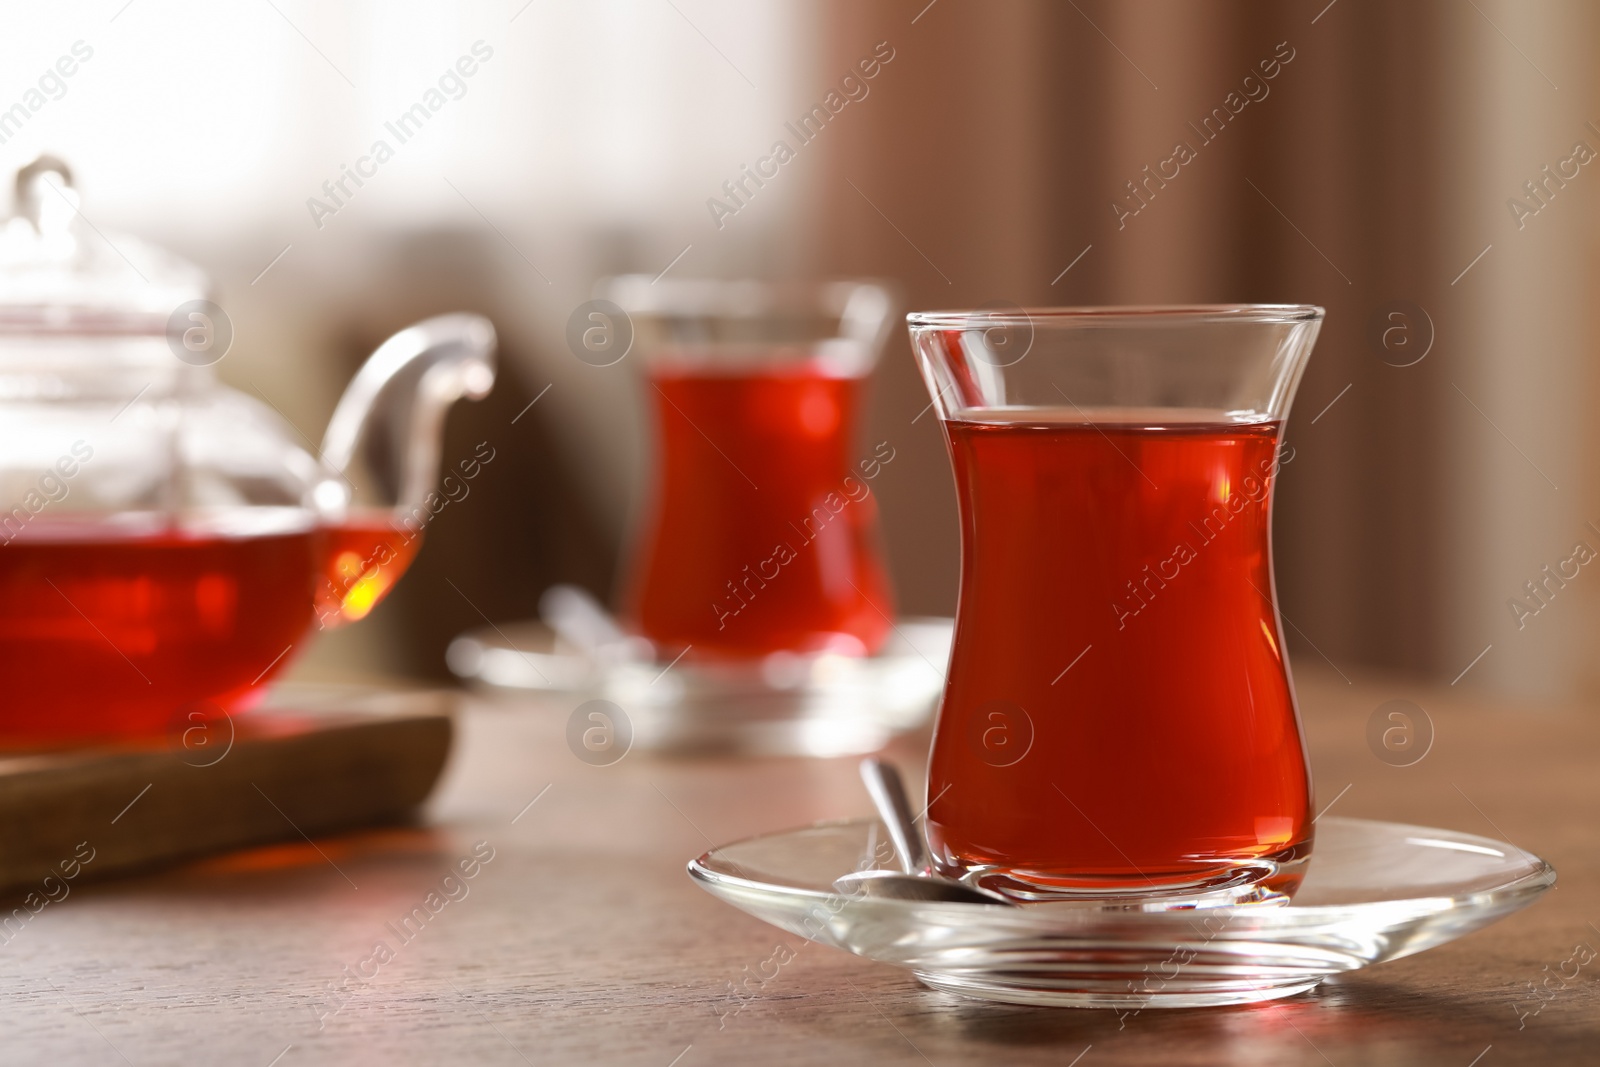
(582, 940)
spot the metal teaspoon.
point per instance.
(918, 881)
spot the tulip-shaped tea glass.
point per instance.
(1118, 721)
(761, 535)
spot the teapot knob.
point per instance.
(50, 216)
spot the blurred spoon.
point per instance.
(583, 622)
(918, 881)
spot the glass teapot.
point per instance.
(167, 544)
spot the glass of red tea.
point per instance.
(1119, 719)
(760, 534)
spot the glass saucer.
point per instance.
(1374, 891)
(784, 704)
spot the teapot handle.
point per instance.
(455, 354)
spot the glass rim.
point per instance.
(729, 296)
(1144, 314)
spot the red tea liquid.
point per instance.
(365, 555)
(107, 632)
(763, 532)
(1118, 712)
(104, 633)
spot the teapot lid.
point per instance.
(61, 274)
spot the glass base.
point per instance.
(1269, 881)
(1130, 990)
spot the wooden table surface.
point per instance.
(579, 938)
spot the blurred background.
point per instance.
(1421, 170)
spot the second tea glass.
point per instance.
(761, 534)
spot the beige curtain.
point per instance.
(1358, 155)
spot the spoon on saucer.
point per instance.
(917, 879)
(585, 624)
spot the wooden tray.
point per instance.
(316, 762)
